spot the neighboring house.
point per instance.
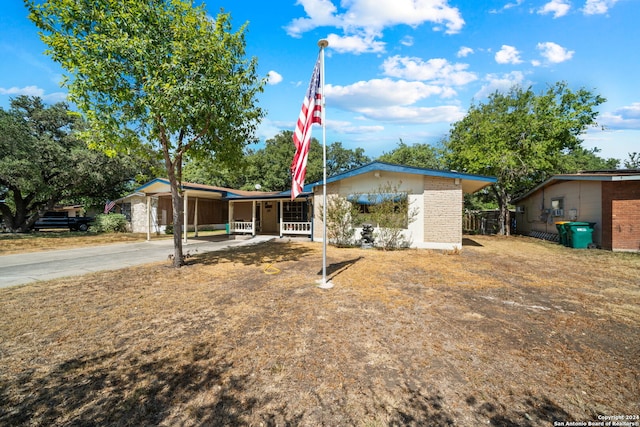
(437, 196)
(609, 199)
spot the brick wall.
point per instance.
(442, 211)
(621, 215)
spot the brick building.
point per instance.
(609, 199)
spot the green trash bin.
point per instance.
(227, 229)
(562, 232)
(580, 235)
(566, 226)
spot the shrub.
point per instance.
(109, 223)
(340, 218)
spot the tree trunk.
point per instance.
(503, 210)
(176, 202)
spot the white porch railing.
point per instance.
(241, 227)
(303, 228)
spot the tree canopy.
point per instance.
(418, 155)
(520, 137)
(158, 73)
(44, 163)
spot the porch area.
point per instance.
(280, 217)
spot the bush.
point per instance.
(340, 218)
(109, 223)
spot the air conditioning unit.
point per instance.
(557, 212)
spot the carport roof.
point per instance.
(159, 186)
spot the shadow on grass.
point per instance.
(470, 242)
(336, 268)
(105, 389)
(199, 387)
(255, 254)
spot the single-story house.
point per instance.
(437, 197)
(609, 199)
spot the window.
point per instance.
(382, 209)
(125, 209)
(557, 203)
(294, 212)
(557, 207)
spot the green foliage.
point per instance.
(109, 223)
(340, 159)
(417, 155)
(44, 163)
(520, 137)
(390, 212)
(581, 159)
(270, 166)
(341, 219)
(159, 75)
(633, 162)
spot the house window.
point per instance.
(387, 210)
(294, 212)
(557, 206)
(125, 209)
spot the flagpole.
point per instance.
(324, 284)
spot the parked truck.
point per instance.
(63, 220)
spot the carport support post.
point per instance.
(186, 216)
(281, 218)
(195, 219)
(253, 218)
(148, 217)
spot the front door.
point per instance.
(270, 217)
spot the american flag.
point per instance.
(109, 205)
(310, 113)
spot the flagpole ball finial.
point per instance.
(323, 43)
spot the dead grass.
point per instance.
(510, 332)
(57, 239)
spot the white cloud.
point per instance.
(34, 91)
(373, 16)
(500, 83)
(436, 70)
(273, 77)
(356, 44)
(508, 55)
(464, 51)
(627, 117)
(407, 41)
(507, 6)
(554, 53)
(557, 7)
(319, 13)
(27, 90)
(349, 128)
(379, 93)
(598, 7)
(415, 115)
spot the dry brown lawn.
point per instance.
(509, 332)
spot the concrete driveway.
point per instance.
(31, 267)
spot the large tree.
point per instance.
(156, 72)
(44, 163)
(520, 137)
(418, 155)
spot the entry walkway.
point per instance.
(19, 269)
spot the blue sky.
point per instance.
(404, 69)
